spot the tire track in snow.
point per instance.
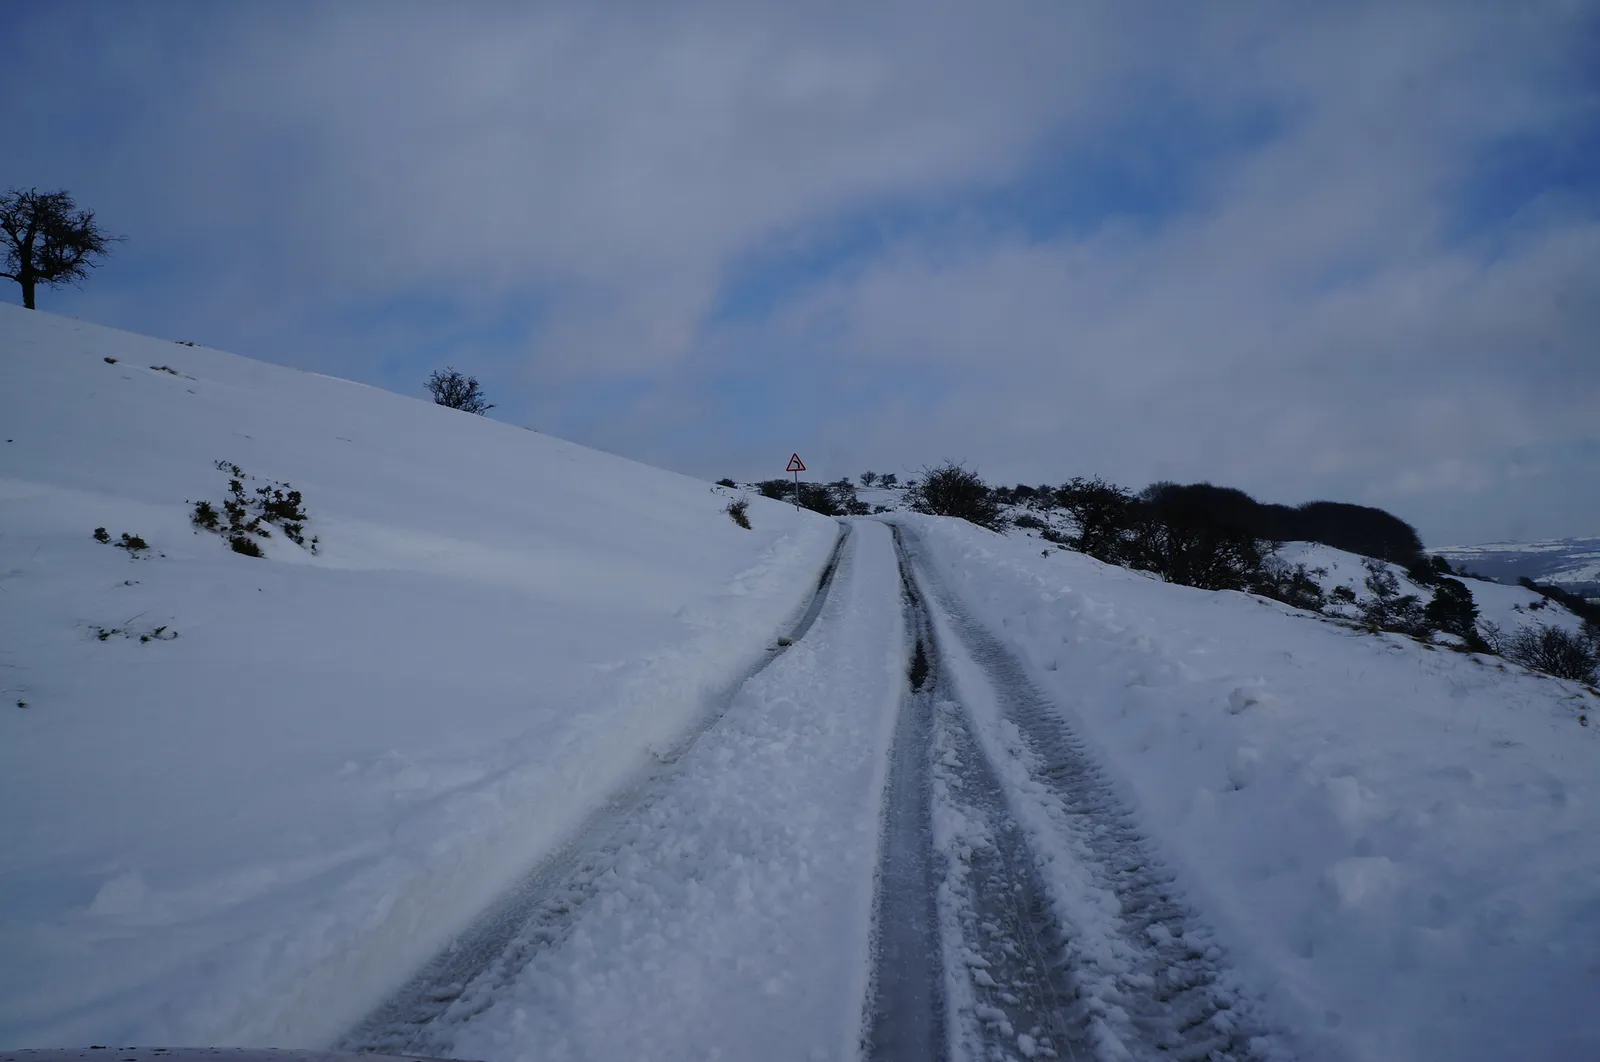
(966, 955)
(536, 913)
(1139, 977)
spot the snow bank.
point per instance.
(1396, 842)
(247, 833)
(733, 920)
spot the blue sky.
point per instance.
(1339, 251)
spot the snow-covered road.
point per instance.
(723, 907)
(884, 842)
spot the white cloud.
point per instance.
(1318, 302)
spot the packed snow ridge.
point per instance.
(490, 675)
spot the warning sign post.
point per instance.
(796, 466)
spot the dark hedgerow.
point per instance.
(725, 482)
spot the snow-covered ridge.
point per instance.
(247, 833)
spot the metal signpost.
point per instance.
(796, 466)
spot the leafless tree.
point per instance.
(48, 240)
(458, 391)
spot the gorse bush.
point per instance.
(247, 514)
(132, 543)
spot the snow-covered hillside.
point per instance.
(536, 755)
(248, 827)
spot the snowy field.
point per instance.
(253, 801)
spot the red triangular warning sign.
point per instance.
(795, 464)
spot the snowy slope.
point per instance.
(1507, 607)
(250, 832)
(1395, 843)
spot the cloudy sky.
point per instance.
(1340, 250)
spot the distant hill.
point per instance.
(1573, 563)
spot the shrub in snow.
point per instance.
(131, 543)
(954, 490)
(1387, 609)
(726, 483)
(739, 512)
(888, 479)
(1297, 586)
(247, 513)
(1175, 534)
(819, 498)
(1028, 520)
(244, 544)
(1555, 651)
(845, 498)
(458, 391)
(1104, 513)
(1453, 611)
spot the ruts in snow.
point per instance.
(1061, 935)
(884, 843)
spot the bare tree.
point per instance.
(458, 391)
(955, 490)
(48, 240)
